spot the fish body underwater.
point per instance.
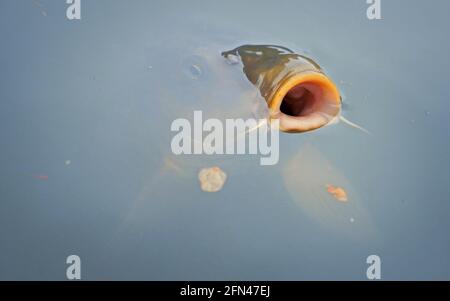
(87, 108)
(317, 188)
(274, 83)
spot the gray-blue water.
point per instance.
(86, 167)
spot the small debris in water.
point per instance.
(41, 177)
(352, 220)
(338, 193)
(68, 162)
(212, 179)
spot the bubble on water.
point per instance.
(195, 71)
(212, 179)
(194, 67)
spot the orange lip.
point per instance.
(296, 89)
(305, 102)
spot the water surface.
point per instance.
(85, 113)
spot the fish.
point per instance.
(307, 176)
(297, 90)
(273, 83)
(183, 80)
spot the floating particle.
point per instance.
(352, 220)
(212, 179)
(41, 177)
(306, 176)
(68, 162)
(338, 193)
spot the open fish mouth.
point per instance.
(305, 102)
(299, 94)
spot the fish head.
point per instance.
(298, 92)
